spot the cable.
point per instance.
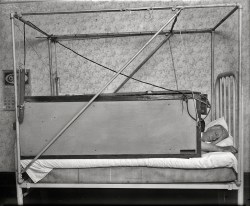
(172, 58)
(195, 119)
(176, 91)
(185, 98)
(57, 79)
(24, 48)
(207, 113)
(46, 65)
(196, 113)
(170, 48)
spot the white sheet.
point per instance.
(40, 168)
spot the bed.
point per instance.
(121, 140)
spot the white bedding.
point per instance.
(40, 168)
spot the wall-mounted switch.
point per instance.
(9, 91)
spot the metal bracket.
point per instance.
(238, 183)
(231, 186)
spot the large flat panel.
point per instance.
(153, 128)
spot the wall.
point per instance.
(190, 52)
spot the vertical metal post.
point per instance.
(240, 115)
(229, 89)
(217, 99)
(234, 110)
(50, 67)
(212, 77)
(16, 96)
(220, 100)
(56, 73)
(225, 98)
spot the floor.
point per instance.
(121, 196)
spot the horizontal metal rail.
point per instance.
(228, 186)
(21, 1)
(130, 9)
(226, 74)
(125, 34)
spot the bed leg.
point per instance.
(240, 195)
(19, 193)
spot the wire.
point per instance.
(195, 119)
(24, 48)
(182, 40)
(195, 106)
(58, 86)
(207, 113)
(185, 97)
(172, 58)
(176, 91)
(46, 65)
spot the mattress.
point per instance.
(41, 168)
(139, 175)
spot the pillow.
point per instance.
(229, 141)
(221, 121)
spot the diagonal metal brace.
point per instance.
(143, 62)
(100, 91)
(149, 56)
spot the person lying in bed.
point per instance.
(216, 138)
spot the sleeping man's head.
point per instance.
(215, 134)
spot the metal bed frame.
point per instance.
(216, 99)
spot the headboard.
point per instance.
(226, 104)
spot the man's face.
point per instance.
(213, 134)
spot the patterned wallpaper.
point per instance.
(189, 55)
